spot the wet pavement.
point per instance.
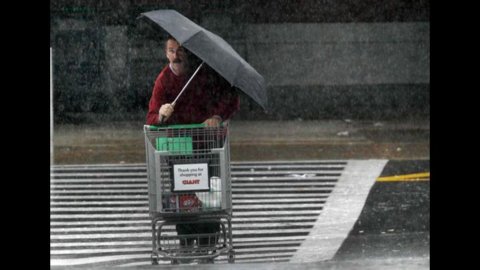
(393, 229)
(367, 264)
(391, 232)
(123, 142)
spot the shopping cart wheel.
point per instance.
(154, 260)
(231, 256)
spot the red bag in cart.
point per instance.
(189, 203)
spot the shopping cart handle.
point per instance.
(179, 126)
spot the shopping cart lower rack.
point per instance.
(189, 189)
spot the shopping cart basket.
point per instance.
(188, 169)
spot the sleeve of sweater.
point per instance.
(156, 100)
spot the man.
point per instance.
(208, 99)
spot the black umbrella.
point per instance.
(214, 51)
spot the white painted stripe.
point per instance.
(98, 223)
(275, 189)
(99, 191)
(266, 233)
(113, 223)
(279, 200)
(103, 174)
(255, 220)
(246, 214)
(117, 260)
(320, 178)
(101, 165)
(236, 241)
(273, 206)
(59, 210)
(232, 164)
(236, 180)
(78, 261)
(99, 216)
(136, 229)
(103, 243)
(97, 180)
(285, 165)
(99, 186)
(341, 211)
(297, 174)
(289, 162)
(269, 242)
(274, 196)
(100, 251)
(92, 236)
(78, 204)
(291, 185)
(147, 250)
(273, 226)
(90, 197)
(98, 229)
(113, 173)
(244, 209)
(273, 213)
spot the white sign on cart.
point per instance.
(191, 177)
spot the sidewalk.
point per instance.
(340, 139)
(257, 140)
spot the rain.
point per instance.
(343, 143)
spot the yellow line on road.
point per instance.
(405, 177)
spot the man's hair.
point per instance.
(193, 58)
(169, 37)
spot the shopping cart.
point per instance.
(188, 169)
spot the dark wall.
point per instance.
(105, 60)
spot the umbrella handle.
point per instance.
(162, 118)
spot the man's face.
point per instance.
(177, 57)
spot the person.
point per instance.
(208, 99)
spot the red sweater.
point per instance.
(207, 94)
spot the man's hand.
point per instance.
(165, 111)
(213, 121)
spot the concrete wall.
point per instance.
(340, 53)
(341, 70)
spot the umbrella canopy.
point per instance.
(213, 50)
